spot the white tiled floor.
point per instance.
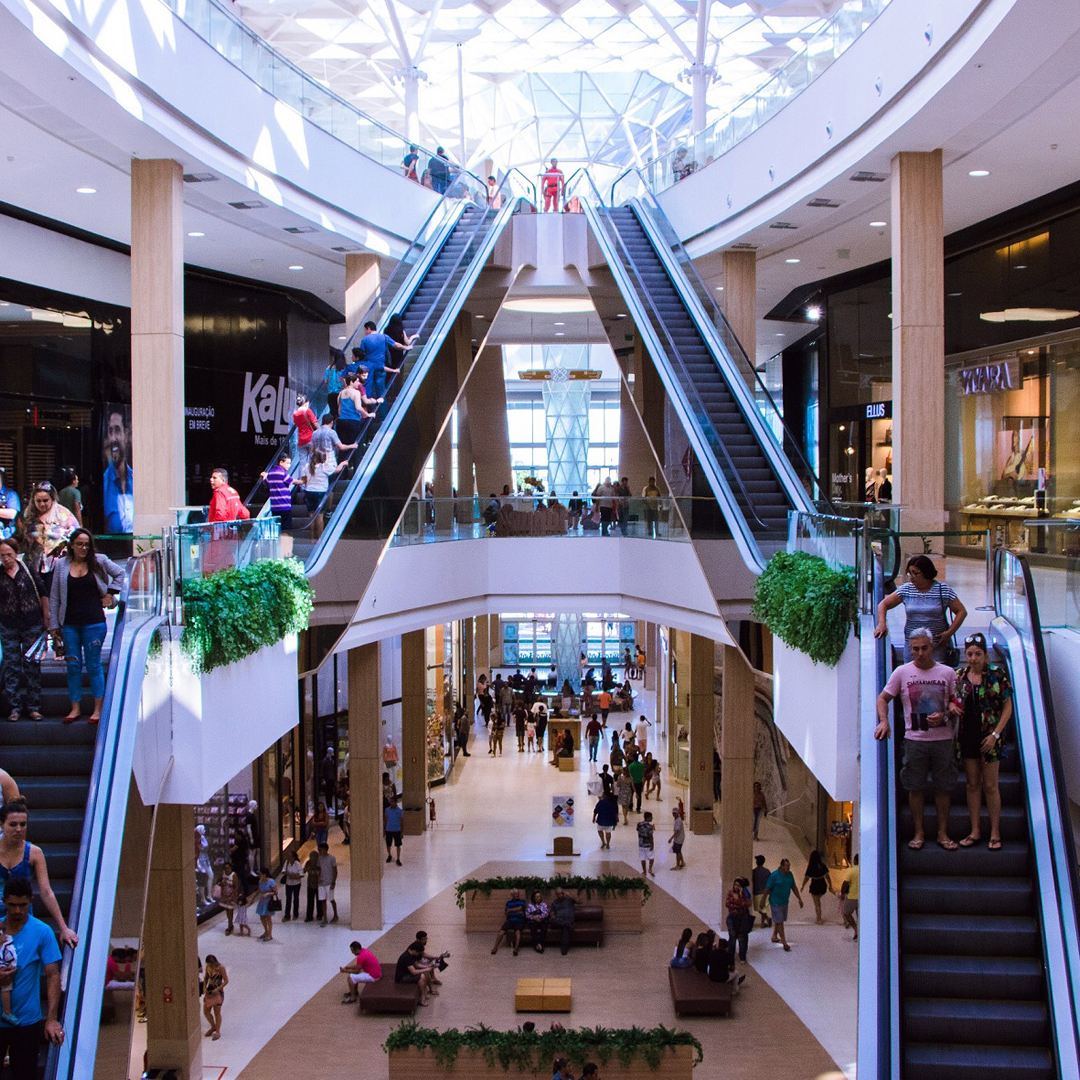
(492, 808)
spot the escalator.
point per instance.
(706, 378)
(968, 957)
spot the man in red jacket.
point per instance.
(225, 504)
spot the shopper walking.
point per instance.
(215, 979)
(84, 585)
(227, 892)
(761, 807)
(606, 817)
(740, 918)
(311, 876)
(780, 886)
(817, 876)
(677, 838)
(267, 892)
(292, 879)
(624, 790)
(759, 876)
(392, 828)
(849, 898)
(646, 840)
(24, 613)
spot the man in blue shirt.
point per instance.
(374, 352)
(9, 508)
(392, 830)
(38, 953)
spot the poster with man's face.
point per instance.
(118, 483)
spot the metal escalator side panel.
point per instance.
(94, 898)
(1051, 836)
(387, 429)
(736, 384)
(878, 1051)
(740, 530)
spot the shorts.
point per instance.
(326, 892)
(760, 902)
(511, 926)
(393, 838)
(676, 849)
(778, 913)
(361, 976)
(935, 761)
(849, 907)
(408, 977)
(645, 853)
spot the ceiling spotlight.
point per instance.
(86, 190)
(196, 234)
(296, 267)
(979, 172)
(878, 224)
(813, 313)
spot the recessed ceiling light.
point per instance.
(296, 267)
(343, 338)
(1020, 266)
(196, 234)
(793, 261)
(878, 224)
(979, 172)
(954, 294)
(559, 333)
(553, 305)
(779, 335)
(621, 315)
(560, 324)
(719, 288)
(86, 190)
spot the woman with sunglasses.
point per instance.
(45, 528)
(984, 705)
(84, 585)
(928, 604)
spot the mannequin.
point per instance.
(869, 486)
(884, 491)
(204, 873)
(389, 753)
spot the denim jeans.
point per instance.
(83, 646)
(21, 677)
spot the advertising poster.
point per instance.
(1018, 446)
(562, 811)
(118, 481)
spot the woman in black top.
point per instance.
(84, 584)
(23, 604)
(817, 874)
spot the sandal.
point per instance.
(35, 715)
(970, 841)
(13, 717)
(947, 845)
(916, 845)
(993, 845)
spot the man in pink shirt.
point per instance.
(926, 689)
(363, 968)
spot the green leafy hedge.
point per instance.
(235, 613)
(607, 885)
(537, 1049)
(807, 605)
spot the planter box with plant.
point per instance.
(418, 1053)
(622, 898)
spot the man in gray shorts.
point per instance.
(926, 688)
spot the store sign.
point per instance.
(876, 410)
(266, 403)
(991, 378)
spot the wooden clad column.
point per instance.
(447, 365)
(361, 286)
(485, 395)
(171, 948)
(737, 754)
(468, 671)
(702, 737)
(414, 731)
(636, 459)
(157, 342)
(739, 301)
(918, 339)
(365, 789)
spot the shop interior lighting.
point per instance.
(554, 305)
(1028, 314)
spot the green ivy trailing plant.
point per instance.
(235, 613)
(807, 605)
(604, 886)
(530, 1050)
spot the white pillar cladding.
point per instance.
(566, 637)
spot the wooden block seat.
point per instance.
(694, 994)
(567, 764)
(387, 996)
(542, 995)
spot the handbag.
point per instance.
(952, 651)
(274, 904)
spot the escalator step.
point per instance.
(59, 792)
(957, 1020)
(56, 826)
(970, 935)
(1015, 977)
(1013, 860)
(28, 761)
(930, 1061)
(1013, 822)
(922, 893)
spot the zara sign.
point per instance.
(996, 375)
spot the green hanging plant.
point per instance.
(527, 1050)
(605, 886)
(234, 613)
(807, 605)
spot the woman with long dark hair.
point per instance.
(84, 585)
(44, 528)
(817, 874)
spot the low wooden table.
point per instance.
(542, 995)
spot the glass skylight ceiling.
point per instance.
(599, 82)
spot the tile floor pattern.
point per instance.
(619, 985)
(500, 809)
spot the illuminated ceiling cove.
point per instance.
(591, 81)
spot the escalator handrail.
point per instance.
(1048, 810)
(391, 287)
(878, 992)
(484, 233)
(706, 313)
(599, 213)
(83, 969)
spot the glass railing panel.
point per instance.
(199, 550)
(835, 539)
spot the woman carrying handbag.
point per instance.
(269, 902)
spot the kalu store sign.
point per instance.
(234, 419)
(997, 374)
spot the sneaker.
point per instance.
(388, 859)
(399, 862)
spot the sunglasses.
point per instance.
(44, 486)
(975, 639)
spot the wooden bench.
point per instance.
(588, 925)
(694, 994)
(387, 996)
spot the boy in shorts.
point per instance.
(678, 836)
(645, 830)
